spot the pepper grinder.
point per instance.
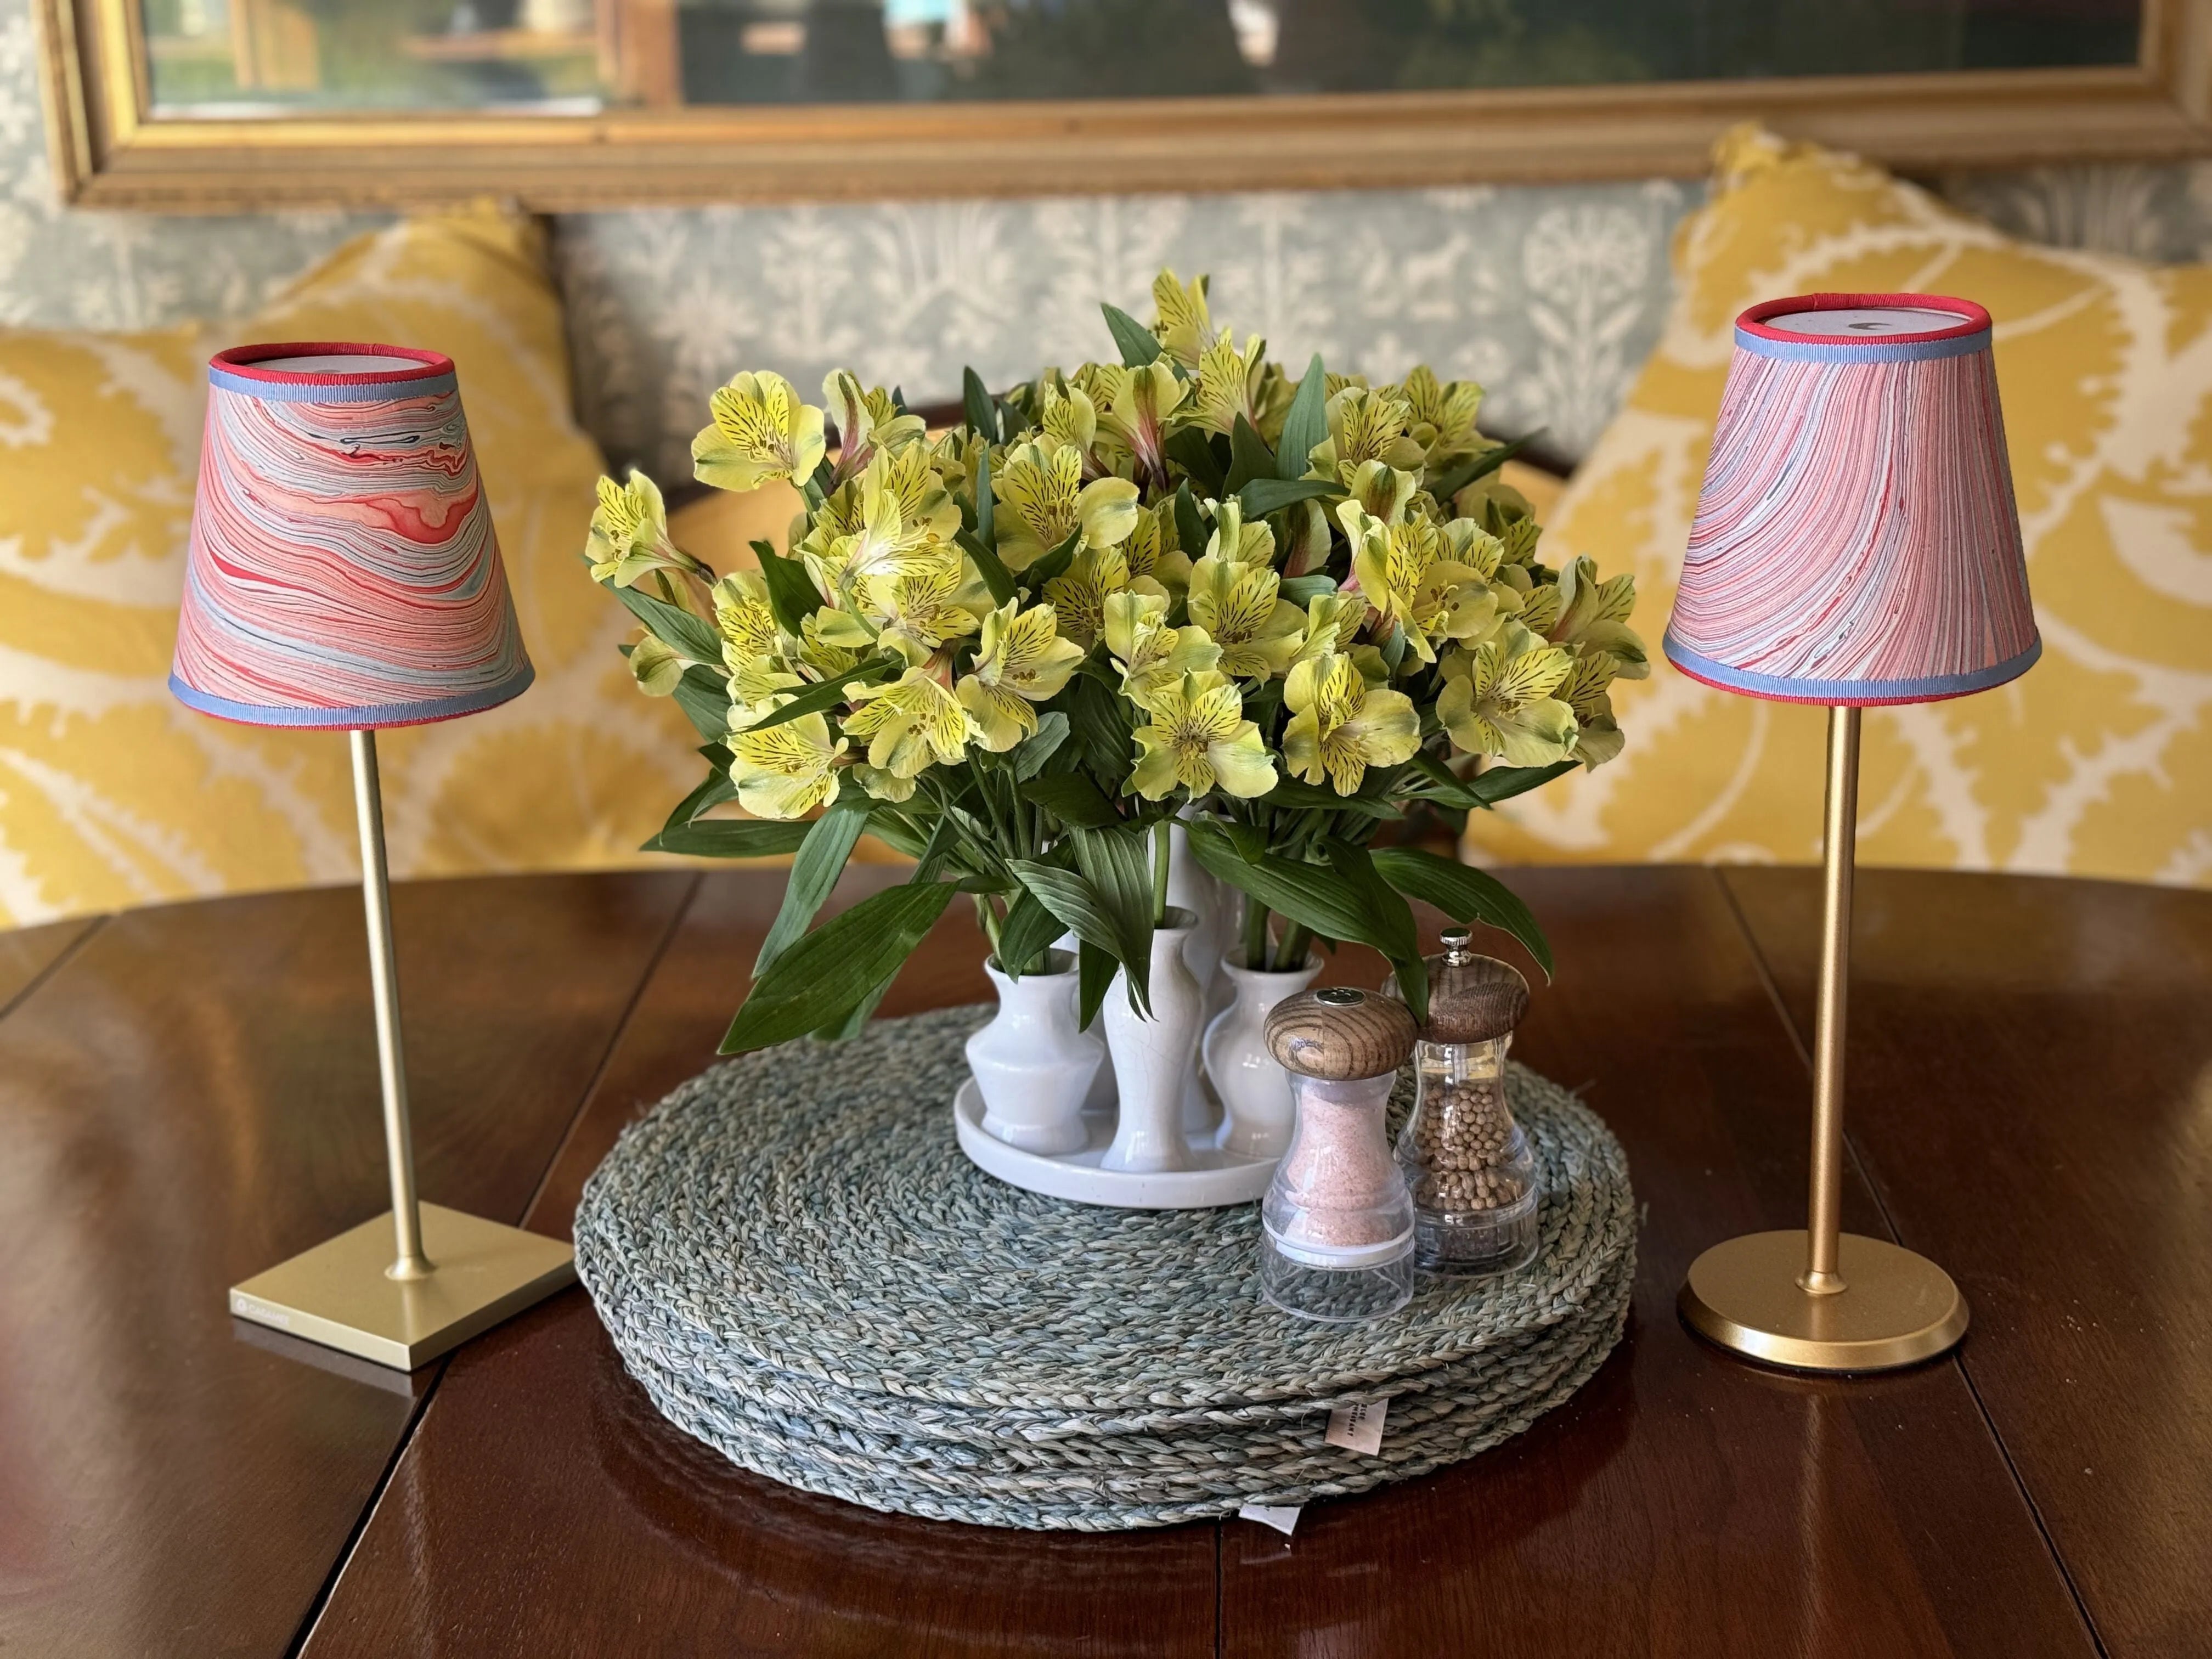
(1338, 1221)
(1467, 1163)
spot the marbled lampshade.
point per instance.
(343, 572)
(1855, 541)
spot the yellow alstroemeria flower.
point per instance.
(1020, 659)
(758, 432)
(1593, 615)
(1240, 608)
(1228, 384)
(1599, 737)
(1385, 492)
(881, 785)
(911, 725)
(1499, 701)
(1150, 653)
(1442, 416)
(786, 771)
(867, 420)
(655, 667)
(925, 604)
(906, 523)
(1042, 500)
(1199, 738)
(1183, 327)
(629, 536)
(1151, 551)
(1332, 621)
(1134, 423)
(1403, 572)
(1067, 418)
(1364, 425)
(1078, 597)
(745, 618)
(1235, 542)
(1339, 725)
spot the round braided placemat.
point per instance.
(798, 1265)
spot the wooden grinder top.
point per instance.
(1341, 1035)
(1472, 999)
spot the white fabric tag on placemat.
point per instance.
(1358, 1427)
(1283, 1518)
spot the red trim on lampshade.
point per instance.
(241, 360)
(1973, 319)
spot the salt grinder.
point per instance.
(1338, 1220)
(1467, 1162)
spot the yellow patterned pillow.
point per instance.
(112, 793)
(2096, 763)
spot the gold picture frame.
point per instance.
(110, 150)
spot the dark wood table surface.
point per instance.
(188, 1095)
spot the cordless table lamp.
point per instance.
(1855, 544)
(344, 576)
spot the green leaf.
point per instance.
(1131, 338)
(1094, 970)
(1028, 929)
(827, 973)
(731, 838)
(1100, 718)
(716, 789)
(996, 576)
(704, 697)
(1306, 425)
(1465, 894)
(1054, 563)
(1072, 799)
(1264, 495)
(1190, 528)
(977, 402)
(821, 861)
(892, 826)
(1482, 466)
(1187, 448)
(1310, 894)
(986, 504)
(1498, 783)
(1249, 458)
(817, 699)
(1076, 899)
(1300, 590)
(1033, 751)
(792, 594)
(1291, 792)
(677, 628)
(1394, 920)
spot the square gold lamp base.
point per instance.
(339, 1295)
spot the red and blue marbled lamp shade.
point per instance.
(1856, 541)
(343, 572)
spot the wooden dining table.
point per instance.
(188, 1094)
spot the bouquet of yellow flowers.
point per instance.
(1179, 585)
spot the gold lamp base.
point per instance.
(1898, 1308)
(339, 1295)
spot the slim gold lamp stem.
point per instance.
(409, 1262)
(1823, 1275)
(1821, 1300)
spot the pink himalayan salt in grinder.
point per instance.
(1338, 1221)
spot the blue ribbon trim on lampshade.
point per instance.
(374, 391)
(1932, 688)
(370, 718)
(1861, 352)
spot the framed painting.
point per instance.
(222, 105)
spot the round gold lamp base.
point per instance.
(1898, 1308)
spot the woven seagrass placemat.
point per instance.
(797, 1263)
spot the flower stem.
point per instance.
(1160, 873)
(1291, 953)
(1255, 934)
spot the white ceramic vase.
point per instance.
(1255, 1092)
(1154, 1059)
(1033, 1067)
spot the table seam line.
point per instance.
(1958, 1358)
(67, 954)
(681, 911)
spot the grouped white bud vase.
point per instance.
(1154, 1058)
(1033, 1067)
(1256, 1092)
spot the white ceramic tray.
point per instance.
(1215, 1177)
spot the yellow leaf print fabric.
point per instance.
(2095, 763)
(112, 793)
